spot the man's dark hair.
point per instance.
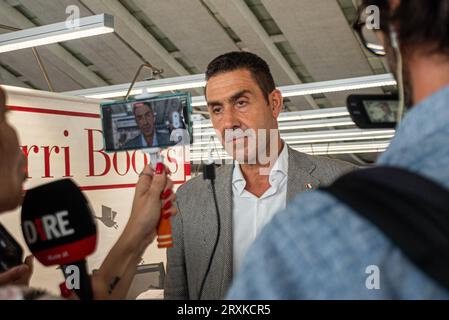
(421, 22)
(142, 104)
(233, 61)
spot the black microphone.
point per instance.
(59, 229)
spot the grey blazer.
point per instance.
(195, 226)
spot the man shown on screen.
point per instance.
(146, 119)
(388, 115)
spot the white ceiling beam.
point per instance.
(151, 86)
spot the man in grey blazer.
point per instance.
(241, 97)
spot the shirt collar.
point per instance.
(277, 173)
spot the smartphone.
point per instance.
(11, 253)
(158, 122)
(373, 111)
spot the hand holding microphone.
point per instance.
(154, 204)
(59, 229)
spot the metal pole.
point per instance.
(43, 70)
(145, 65)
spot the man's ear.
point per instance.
(276, 103)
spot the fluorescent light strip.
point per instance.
(314, 114)
(294, 116)
(341, 148)
(336, 86)
(345, 146)
(57, 32)
(151, 86)
(331, 152)
(198, 81)
(377, 150)
(326, 87)
(294, 125)
(307, 137)
(304, 142)
(344, 133)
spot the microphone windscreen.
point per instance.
(57, 223)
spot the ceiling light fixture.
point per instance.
(57, 32)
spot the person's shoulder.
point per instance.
(193, 185)
(323, 226)
(304, 246)
(314, 205)
(325, 169)
(197, 186)
(336, 164)
(315, 215)
(321, 161)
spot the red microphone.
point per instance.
(59, 229)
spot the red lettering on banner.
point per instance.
(47, 154)
(67, 158)
(46, 157)
(133, 161)
(26, 151)
(128, 164)
(172, 161)
(91, 151)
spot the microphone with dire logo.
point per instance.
(59, 229)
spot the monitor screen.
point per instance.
(381, 111)
(155, 122)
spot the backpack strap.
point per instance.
(411, 210)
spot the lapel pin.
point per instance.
(309, 186)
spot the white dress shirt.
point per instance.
(250, 213)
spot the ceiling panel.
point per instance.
(320, 34)
(190, 27)
(134, 34)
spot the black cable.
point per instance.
(209, 174)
